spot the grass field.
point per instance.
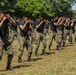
(61, 62)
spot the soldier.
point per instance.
(53, 32)
(4, 41)
(40, 36)
(32, 32)
(46, 27)
(13, 31)
(60, 28)
(75, 30)
(67, 31)
(24, 40)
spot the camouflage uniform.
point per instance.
(5, 44)
(60, 29)
(52, 34)
(23, 41)
(75, 33)
(67, 32)
(46, 30)
(40, 36)
(12, 35)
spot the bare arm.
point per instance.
(23, 27)
(39, 25)
(2, 21)
(12, 20)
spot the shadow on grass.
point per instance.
(49, 53)
(37, 59)
(34, 59)
(19, 66)
(16, 67)
(2, 71)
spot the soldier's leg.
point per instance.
(44, 44)
(9, 50)
(70, 36)
(1, 48)
(29, 48)
(12, 36)
(21, 48)
(37, 40)
(45, 31)
(64, 37)
(32, 37)
(51, 36)
(75, 34)
(59, 39)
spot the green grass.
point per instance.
(59, 63)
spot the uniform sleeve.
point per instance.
(20, 23)
(36, 23)
(51, 22)
(7, 21)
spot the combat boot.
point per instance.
(0, 58)
(58, 48)
(29, 57)
(19, 60)
(49, 48)
(36, 53)
(63, 44)
(70, 40)
(75, 40)
(43, 52)
(9, 63)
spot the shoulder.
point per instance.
(36, 22)
(52, 21)
(7, 21)
(21, 23)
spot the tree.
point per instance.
(34, 7)
(61, 7)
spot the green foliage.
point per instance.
(32, 8)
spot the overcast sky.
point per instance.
(74, 7)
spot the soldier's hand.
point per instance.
(8, 16)
(41, 22)
(27, 21)
(4, 18)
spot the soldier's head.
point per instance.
(40, 17)
(1, 14)
(25, 18)
(55, 18)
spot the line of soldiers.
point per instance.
(58, 29)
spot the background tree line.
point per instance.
(32, 8)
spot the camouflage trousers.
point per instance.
(46, 31)
(5, 45)
(60, 35)
(67, 32)
(24, 42)
(75, 34)
(33, 36)
(52, 35)
(12, 35)
(40, 37)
